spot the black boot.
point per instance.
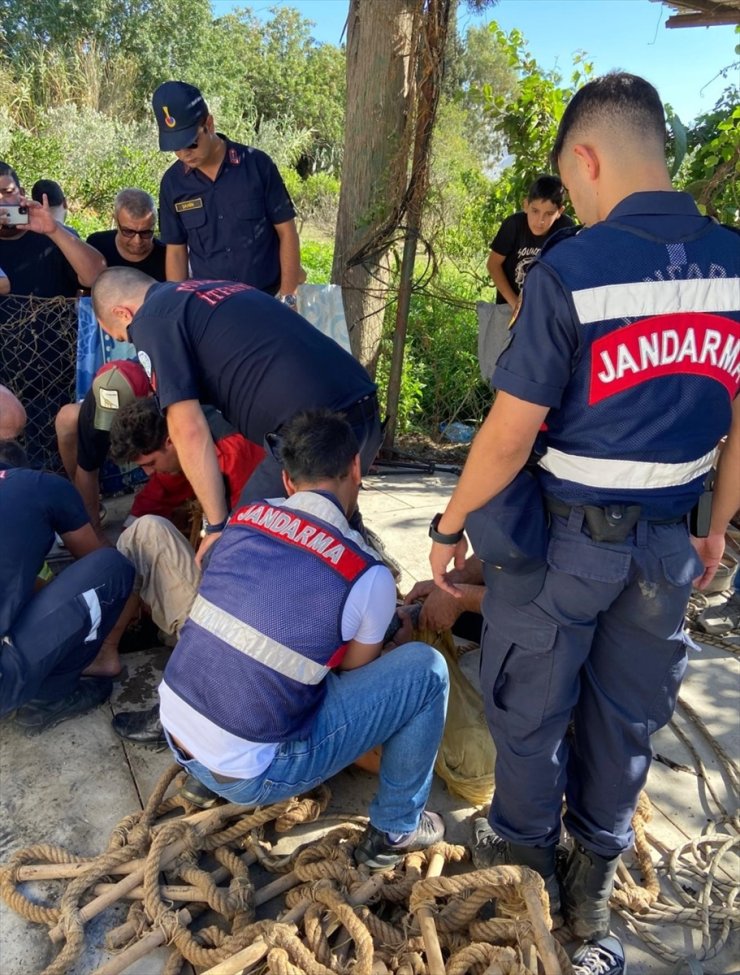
(140, 727)
(587, 887)
(198, 794)
(491, 850)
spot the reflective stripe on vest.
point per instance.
(600, 472)
(644, 298)
(249, 641)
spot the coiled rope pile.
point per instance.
(339, 917)
(700, 878)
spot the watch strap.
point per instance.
(441, 537)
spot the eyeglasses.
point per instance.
(194, 145)
(129, 233)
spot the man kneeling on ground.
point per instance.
(277, 682)
(51, 641)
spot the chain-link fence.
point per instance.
(38, 349)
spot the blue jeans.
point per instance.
(398, 701)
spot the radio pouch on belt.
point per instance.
(612, 523)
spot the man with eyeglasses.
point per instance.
(132, 243)
(224, 208)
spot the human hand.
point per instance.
(440, 557)
(408, 617)
(710, 550)
(420, 591)
(440, 610)
(205, 544)
(40, 218)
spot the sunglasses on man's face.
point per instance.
(194, 145)
(129, 233)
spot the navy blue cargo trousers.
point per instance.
(61, 629)
(603, 646)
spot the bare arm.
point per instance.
(86, 483)
(498, 453)
(359, 654)
(188, 429)
(82, 541)
(176, 262)
(725, 503)
(290, 256)
(85, 261)
(4, 283)
(495, 267)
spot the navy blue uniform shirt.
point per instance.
(228, 223)
(630, 332)
(34, 505)
(253, 358)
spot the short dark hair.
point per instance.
(54, 192)
(12, 454)
(548, 188)
(619, 99)
(317, 445)
(6, 170)
(139, 428)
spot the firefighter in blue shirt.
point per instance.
(223, 206)
(256, 361)
(628, 343)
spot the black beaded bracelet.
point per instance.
(438, 536)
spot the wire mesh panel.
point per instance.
(38, 339)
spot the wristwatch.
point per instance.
(208, 529)
(290, 300)
(438, 536)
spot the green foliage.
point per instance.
(440, 381)
(477, 69)
(316, 259)
(413, 376)
(153, 36)
(528, 122)
(88, 153)
(270, 81)
(711, 171)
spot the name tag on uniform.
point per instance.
(185, 205)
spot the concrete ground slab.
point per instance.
(73, 784)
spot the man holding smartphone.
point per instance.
(38, 256)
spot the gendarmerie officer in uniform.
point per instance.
(222, 206)
(627, 344)
(255, 360)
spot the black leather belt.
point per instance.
(561, 508)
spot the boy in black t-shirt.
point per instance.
(516, 245)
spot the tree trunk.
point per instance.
(378, 133)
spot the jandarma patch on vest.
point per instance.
(185, 205)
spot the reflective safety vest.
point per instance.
(265, 627)
(656, 369)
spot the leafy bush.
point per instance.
(440, 380)
(316, 259)
(89, 154)
(413, 376)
